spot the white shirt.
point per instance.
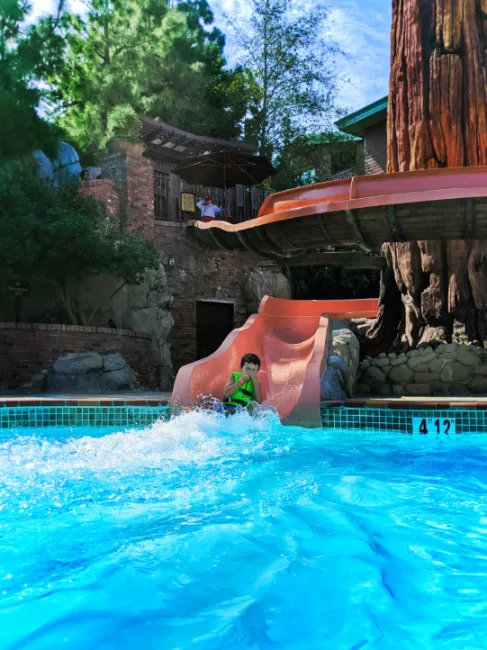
(208, 209)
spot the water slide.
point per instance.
(291, 339)
(362, 211)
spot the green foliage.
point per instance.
(25, 58)
(290, 71)
(327, 153)
(128, 58)
(64, 237)
(334, 283)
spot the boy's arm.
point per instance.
(232, 386)
(257, 390)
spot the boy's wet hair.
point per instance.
(250, 358)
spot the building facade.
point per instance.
(370, 124)
(209, 289)
(209, 295)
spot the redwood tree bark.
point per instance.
(437, 118)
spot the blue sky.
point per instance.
(361, 28)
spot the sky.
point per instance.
(360, 28)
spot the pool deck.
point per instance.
(163, 399)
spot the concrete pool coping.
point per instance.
(116, 399)
(411, 403)
(163, 399)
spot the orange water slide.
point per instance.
(291, 339)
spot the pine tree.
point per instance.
(129, 58)
(25, 58)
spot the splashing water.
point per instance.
(214, 533)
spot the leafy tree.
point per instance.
(65, 238)
(334, 283)
(127, 58)
(326, 153)
(290, 75)
(26, 56)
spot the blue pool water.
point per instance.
(212, 533)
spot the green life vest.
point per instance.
(244, 395)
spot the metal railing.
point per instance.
(346, 173)
(240, 203)
(161, 196)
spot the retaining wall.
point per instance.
(448, 369)
(28, 349)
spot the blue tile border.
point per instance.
(400, 420)
(81, 416)
(337, 417)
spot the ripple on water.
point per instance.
(214, 533)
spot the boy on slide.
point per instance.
(243, 389)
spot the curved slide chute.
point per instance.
(291, 339)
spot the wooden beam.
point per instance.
(352, 260)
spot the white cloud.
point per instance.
(364, 37)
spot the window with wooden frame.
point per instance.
(161, 196)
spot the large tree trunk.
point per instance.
(437, 118)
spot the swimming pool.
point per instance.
(213, 533)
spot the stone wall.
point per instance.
(263, 282)
(342, 363)
(201, 275)
(448, 369)
(28, 349)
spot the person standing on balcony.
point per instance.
(208, 210)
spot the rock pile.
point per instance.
(445, 370)
(90, 372)
(265, 282)
(342, 365)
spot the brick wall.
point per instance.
(133, 176)
(113, 167)
(27, 349)
(196, 275)
(140, 192)
(103, 190)
(376, 149)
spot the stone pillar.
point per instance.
(133, 176)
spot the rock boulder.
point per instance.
(90, 372)
(263, 282)
(343, 362)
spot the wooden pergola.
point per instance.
(165, 140)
